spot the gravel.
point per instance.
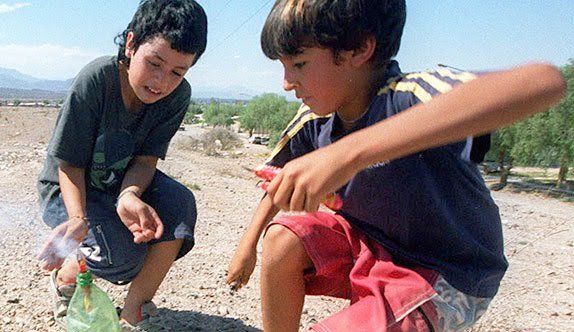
(537, 293)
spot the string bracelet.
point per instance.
(126, 192)
(84, 219)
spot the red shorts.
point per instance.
(348, 264)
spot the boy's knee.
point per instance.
(279, 236)
(162, 194)
(283, 249)
(188, 204)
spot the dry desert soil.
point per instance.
(537, 293)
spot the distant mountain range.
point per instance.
(13, 79)
(14, 84)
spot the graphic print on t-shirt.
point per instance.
(112, 154)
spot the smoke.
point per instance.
(57, 248)
(23, 230)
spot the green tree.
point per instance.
(220, 114)
(279, 121)
(259, 110)
(503, 141)
(561, 127)
(193, 109)
(544, 140)
(268, 113)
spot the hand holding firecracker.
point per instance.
(268, 173)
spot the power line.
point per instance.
(221, 10)
(239, 27)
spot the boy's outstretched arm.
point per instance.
(489, 102)
(244, 259)
(65, 238)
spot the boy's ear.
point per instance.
(365, 52)
(129, 49)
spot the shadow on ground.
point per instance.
(526, 185)
(188, 320)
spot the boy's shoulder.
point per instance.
(96, 76)
(100, 65)
(422, 85)
(98, 70)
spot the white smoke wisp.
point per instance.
(58, 249)
(64, 248)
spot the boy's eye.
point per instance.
(299, 65)
(153, 64)
(177, 74)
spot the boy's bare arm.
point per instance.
(244, 259)
(65, 238)
(139, 174)
(489, 102)
(140, 218)
(73, 187)
(477, 107)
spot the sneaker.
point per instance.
(61, 298)
(148, 313)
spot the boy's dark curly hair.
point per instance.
(339, 25)
(182, 23)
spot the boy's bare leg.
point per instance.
(158, 261)
(283, 263)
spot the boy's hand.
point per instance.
(63, 240)
(241, 266)
(305, 181)
(140, 218)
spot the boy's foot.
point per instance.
(61, 298)
(148, 313)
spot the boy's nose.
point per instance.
(161, 81)
(287, 85)
(159, 76)
(289, 80)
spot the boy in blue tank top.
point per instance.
(417, 245)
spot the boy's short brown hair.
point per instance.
(339, 25)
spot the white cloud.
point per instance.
(46, 61)
(5, 8)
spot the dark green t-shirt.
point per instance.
(94, 130)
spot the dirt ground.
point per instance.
(537, 293)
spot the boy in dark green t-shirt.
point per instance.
(99, 187)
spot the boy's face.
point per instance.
(322, 84)
(155, 69)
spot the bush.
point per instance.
(212, 142)
(222, 137)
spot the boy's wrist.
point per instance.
(82, 218)
(127, 192)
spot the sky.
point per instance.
(54, 39)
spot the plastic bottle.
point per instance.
(90, 308)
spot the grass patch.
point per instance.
(192, 186)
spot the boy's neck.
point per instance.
(348, 122)
(352, 112)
